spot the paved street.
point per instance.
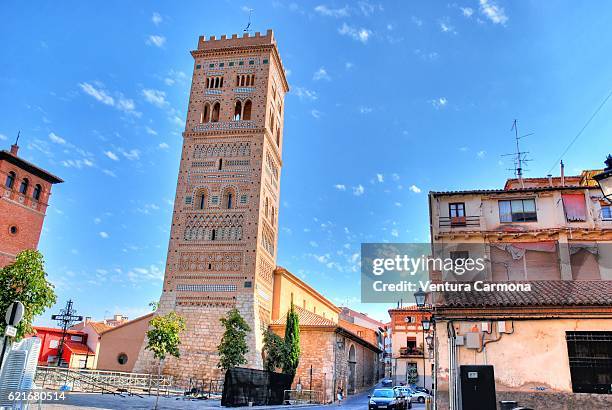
(104, 401)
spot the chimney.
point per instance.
(14, 149)
(562, 173)
(550, 183)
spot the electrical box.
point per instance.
(501, 326)
(477, 387)
(472, 340)
(459, 340)
(484, 326)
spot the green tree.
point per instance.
(275, 352)
(25, 280)
(164, 339)
(292, 342)
(233, 346)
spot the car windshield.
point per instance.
(382, 393)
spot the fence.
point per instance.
(101, 381)
(205, 388)
(302, 397)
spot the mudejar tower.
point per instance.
(223, 238)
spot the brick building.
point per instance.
(24, 197)
(223, 240)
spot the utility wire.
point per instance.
(581, 130)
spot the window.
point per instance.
(246, 113)
(237, 111)
(231, 63)
(590, 361)
(202, 200)
(241, 63)
(53, 344)
(456, 209)
(10, 180)
(265, 61)
(205, 116)
(23, 188)
(213, 234)
(13, 230)
(606, 212)
(83, 363)
(459, 255)
(214, 82)
(228, 198)
(198, 67)
(518, 210)
(37, 191)
(122, 358)
(216, 112)
(221, 64)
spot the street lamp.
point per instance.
(426, 323)
(420, 296)
(604, 180)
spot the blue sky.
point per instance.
(388, 101)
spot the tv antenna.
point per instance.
(247, 29)
(520, 157)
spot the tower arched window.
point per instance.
(237, 111)
(217, 82)
(205, 117)
(37, 191)
(237, 81)
(278, 137)
(228, 198)
(23, 188)
(213, 234)
(266, 205)
(201, 199)
(215, 112)
(10, 180)
(246, 113)
(273, 216)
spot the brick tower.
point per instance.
(24, 195)
(223, 238)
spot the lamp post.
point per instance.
(420, 297)
(604, 180)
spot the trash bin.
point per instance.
(507, 404)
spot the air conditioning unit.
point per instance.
(459, 340)
(502, 327)
(484, 326)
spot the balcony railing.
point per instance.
(411, 352)
(459, 221)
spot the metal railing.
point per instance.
(102, 381)
(302, 397)
(458, 222)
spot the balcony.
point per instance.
(410, 352)
(458, 222)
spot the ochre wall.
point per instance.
(126, 339)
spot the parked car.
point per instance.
(387, 383)
(387, 399)
(419, 396)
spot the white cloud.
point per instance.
(111, 155)
(56, 139)
(340, 187)
(467, 11)
(394, 233)
(481, 154)
(417, 21)
(131, 155)
(348, 65)
(155, 97)
(415, 189)
(104, 235)
(150, 131)
(398, 204)
(98, 94)
(368, 8)
(156, 18)
(359, 34)
(493, 12)
(313, 243)
(395, 177)
(358, 190)
(174, 77)
(445, 27)
(315, 113)
(77, 163)
(304, 93)
(121, 103)
(3, 137)
(157, 41)
(109, 173)
(365, 110)
(163, 145)
(380, 178)
(438, 103)
(321, 74)
(329, 12)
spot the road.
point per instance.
(357, 402)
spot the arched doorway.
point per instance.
(352, 364)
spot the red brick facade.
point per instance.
(24, 196)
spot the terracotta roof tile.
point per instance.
(100, 327)
(78, 348)
(543, 293)
(306, 318)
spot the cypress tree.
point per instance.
(292, 342)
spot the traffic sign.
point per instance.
(14, 313)
(10, 331)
